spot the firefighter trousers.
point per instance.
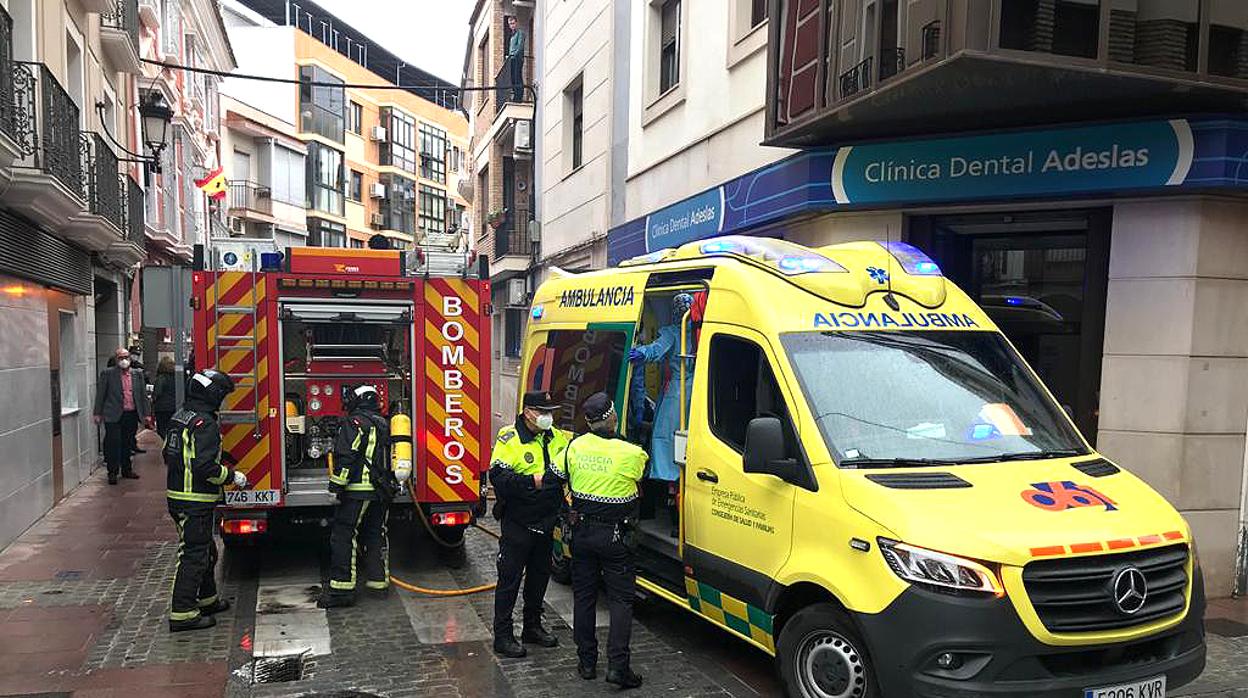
(599, 553)
(522, 552)
(358, 543)
(194, 582)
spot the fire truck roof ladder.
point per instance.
(249, 380)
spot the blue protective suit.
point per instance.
(666, 348)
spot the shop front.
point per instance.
(1113, 255)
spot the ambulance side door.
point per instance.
(738, 525)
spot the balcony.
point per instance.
(149, 12)
(508, 91)
(129, 250)
(897, 68)
(512, 249)
(47, 184)
(103, 222)
(97, 6)
(119, 35)
(250, 201)
(10, 127)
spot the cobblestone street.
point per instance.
(83, 598)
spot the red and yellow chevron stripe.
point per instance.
(230, 289)
(453, 353)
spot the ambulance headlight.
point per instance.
(930, 568)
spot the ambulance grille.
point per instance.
(1095, 468)
(1075, 595)
(919, 481)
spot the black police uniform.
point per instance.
(602, 472)
(361, 464)
(192, 455)
(528, 516)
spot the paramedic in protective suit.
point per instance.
(194, 485)
(603, 472)
(529, 502)
(365, 486)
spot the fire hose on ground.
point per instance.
(445, 593)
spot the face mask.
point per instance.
(544, 421)
(124, 363)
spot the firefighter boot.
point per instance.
(217, 606)
(196, 623)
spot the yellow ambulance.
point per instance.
(872, 485)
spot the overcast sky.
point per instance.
(430, 34)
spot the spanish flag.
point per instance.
(213, 184)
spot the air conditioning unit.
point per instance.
(377, 220)
(524, 135)
(377, 190)
(378, 134)
(237, 226)
(515, 292)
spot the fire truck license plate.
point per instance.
(243, 498)
(1148, 688)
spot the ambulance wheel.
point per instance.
(821, 656)
(560, 568)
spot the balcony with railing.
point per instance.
(925, 67)
(47, 180)
(249, 200)
(10, 134)
(508, 89)
(129, 249)
(119, 35)
(103, 221)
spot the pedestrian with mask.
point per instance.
(528, 505)
(194, 485)
(603, 471)
(365, 486)
(121, 405)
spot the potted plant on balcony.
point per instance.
(496, 217)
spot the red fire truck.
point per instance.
(295, 330)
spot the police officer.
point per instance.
(192, 455)
(365, 486)
(603, 472)
(528, 504)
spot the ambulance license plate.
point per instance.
(1148, 688)
(245, 498)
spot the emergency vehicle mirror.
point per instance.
(764, 449)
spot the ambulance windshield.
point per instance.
(921, 398)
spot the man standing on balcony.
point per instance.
(515, 57)
(120, 403)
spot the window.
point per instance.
(356, 189)
(287, 176)
(432, 210)
(742, 387)
(23, 14)
(758, 12)
(398, 209)
(73, 62)
(399, 148)
(171, 26)
(454, 214)
(484, 76)
(323, 233)
(69, 362)
(356, 243)
(669, 45)
(457, 159)
(574, 112)
(483, 191)
(433, 153)
(1063, 27)
(355, 118)
(321, 109)
(513, 332)
(574, 364)
(325, 179)
(1228, 39)
(1152, 33)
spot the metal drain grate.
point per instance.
(279, 669)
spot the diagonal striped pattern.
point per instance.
(228, 339)
(748, 621)
(452, 357)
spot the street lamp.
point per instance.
(156, 116)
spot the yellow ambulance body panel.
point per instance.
(875, 482)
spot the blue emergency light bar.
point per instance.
(788, 258)
(913, 260)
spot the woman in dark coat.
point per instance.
(164, 398)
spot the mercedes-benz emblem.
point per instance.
(1130, 590)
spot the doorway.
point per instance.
(1041, 277)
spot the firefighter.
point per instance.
(194, 487)
(603, 472)
(528, 505)
(365, 486)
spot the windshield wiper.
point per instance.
(1024, 455)
(894, 462)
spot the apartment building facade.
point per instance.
(375, 159)
(71, 233)
(500, 72)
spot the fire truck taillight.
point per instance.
(243, 527)
(451, 518)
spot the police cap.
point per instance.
(539, 400)
(596, 407)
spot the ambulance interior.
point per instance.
(323, 359)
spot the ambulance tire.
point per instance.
(820, 655)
